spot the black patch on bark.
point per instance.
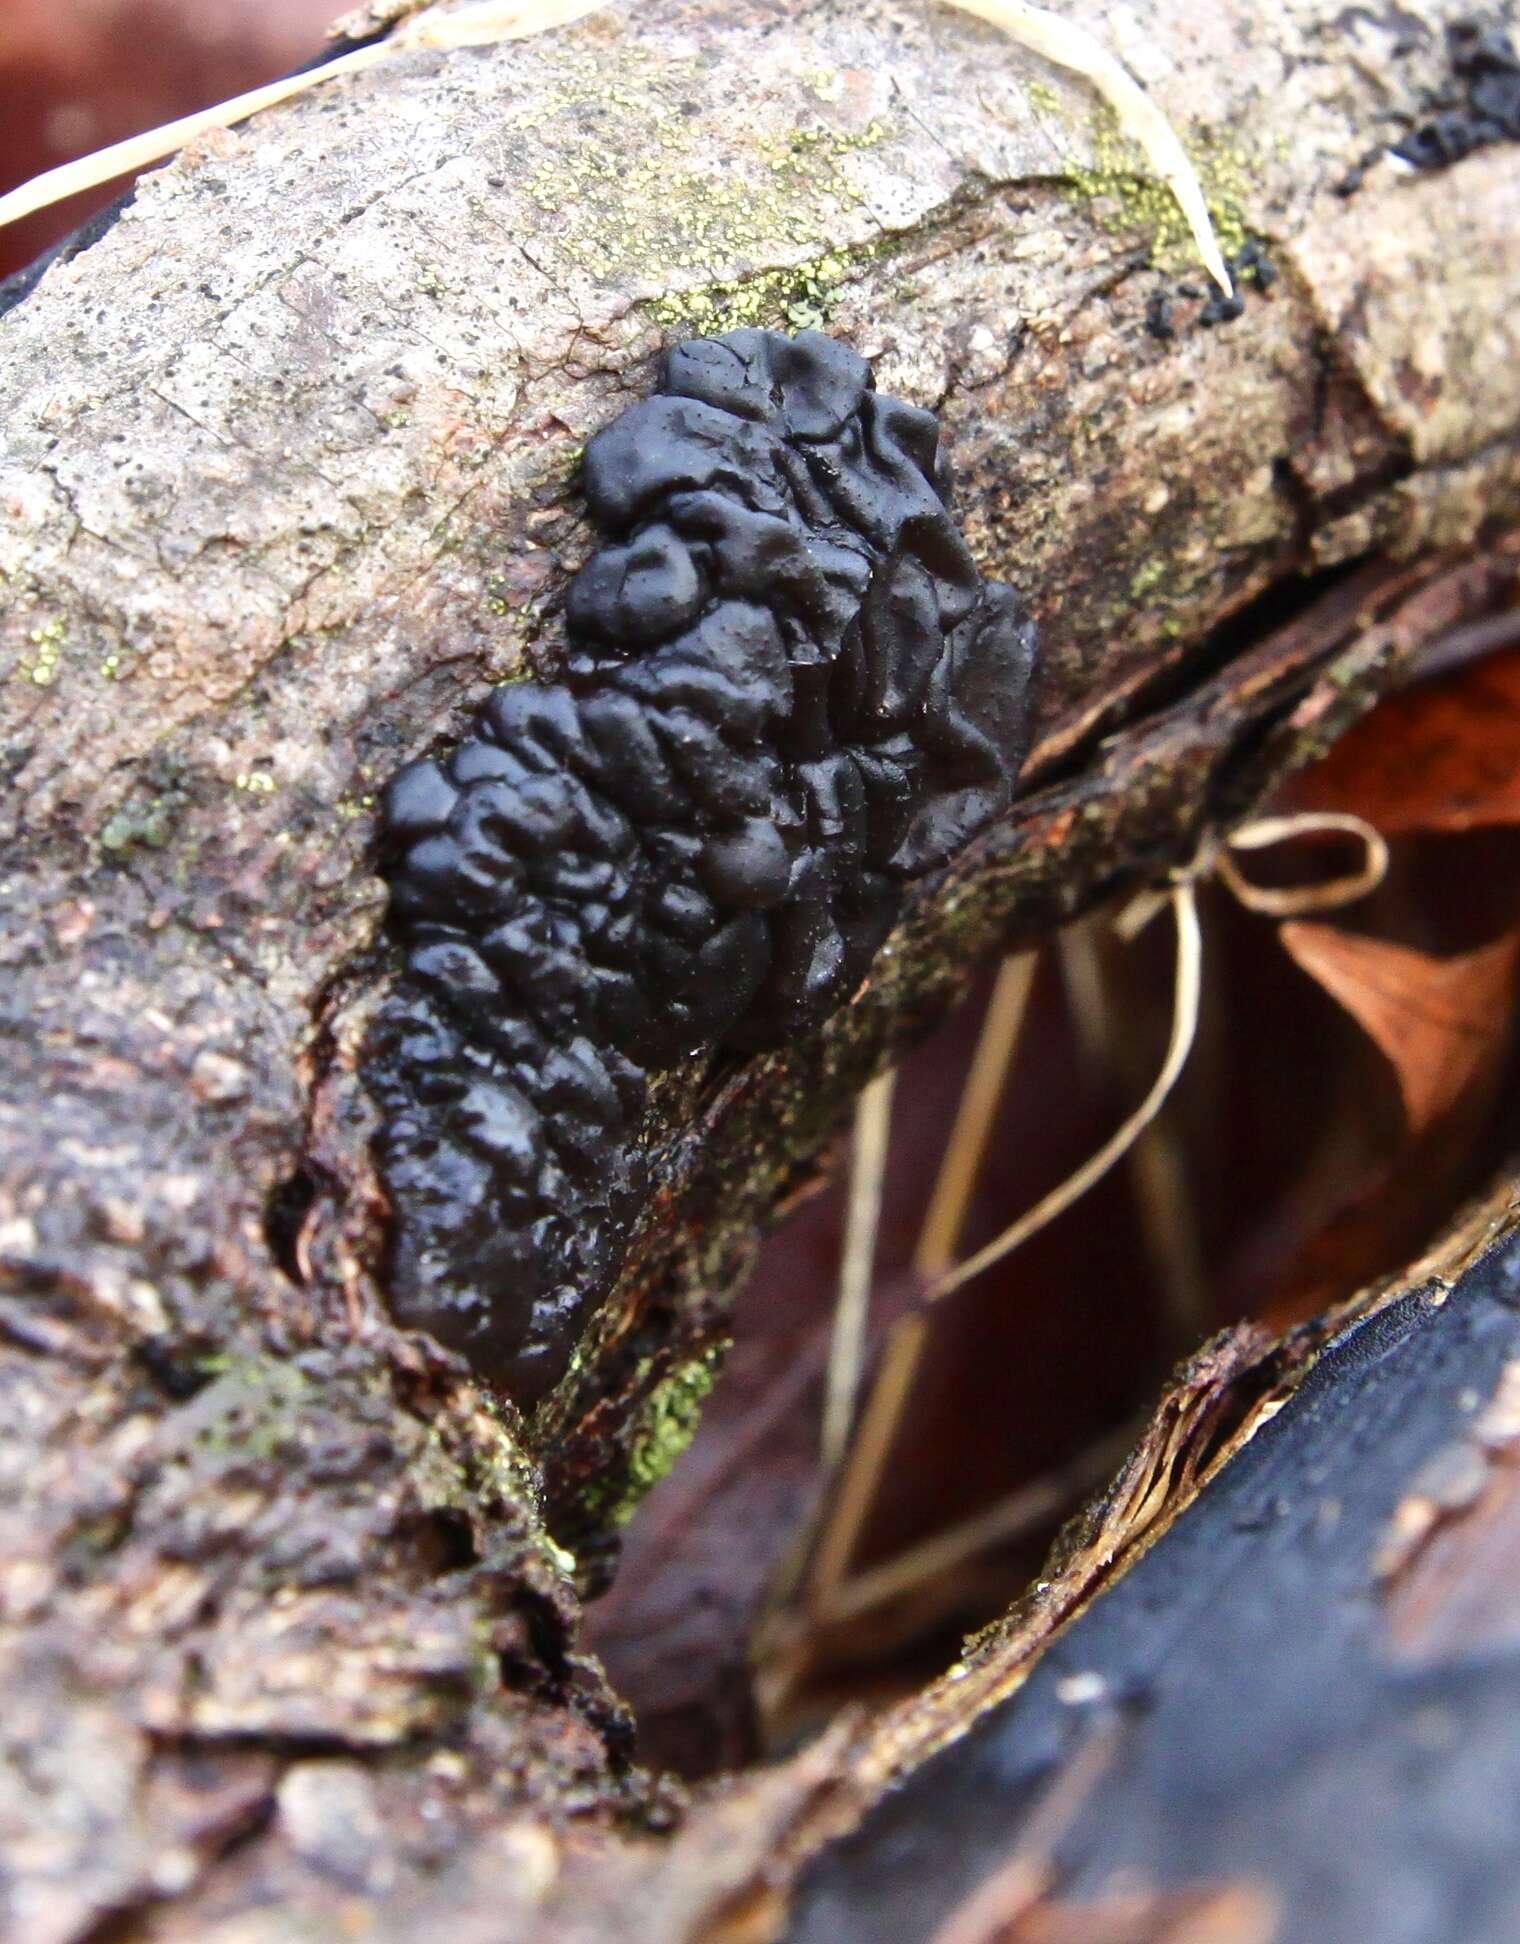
(789, 693)
(1486, 102)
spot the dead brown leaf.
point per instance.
(1237, 1913)
(1441, 1023)
(1442, 757)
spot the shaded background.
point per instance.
(76, 75)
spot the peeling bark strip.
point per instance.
(791, 693)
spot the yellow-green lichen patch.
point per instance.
(482, 1472)
(1125, 200)
(665, 1427)
(631, 187)
(1145, 577)
(797, 298)
(254, 1409)
(40, 667)
(148, 823)
(1163, 589)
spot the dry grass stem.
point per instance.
(476, 26)
(1156, 1163)
(1294, 901)
(1038, 1503)
(861, 1473)
(1186, 991)
(1047, 34)
(873, 1130)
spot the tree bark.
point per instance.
(1291, 1719)
(288, 481)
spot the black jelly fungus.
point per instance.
(788, 693)
(1487, 69)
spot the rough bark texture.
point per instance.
(288, 483)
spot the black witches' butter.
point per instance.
(788, 694)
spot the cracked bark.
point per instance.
(288, 485)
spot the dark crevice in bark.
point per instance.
(289, 1204)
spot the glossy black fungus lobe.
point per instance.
(1486, 70)
(788, 693)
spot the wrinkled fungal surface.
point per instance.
(788, 693)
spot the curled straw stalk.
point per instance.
(855, 1453)
(489, 21)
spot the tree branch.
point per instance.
(288, 482)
